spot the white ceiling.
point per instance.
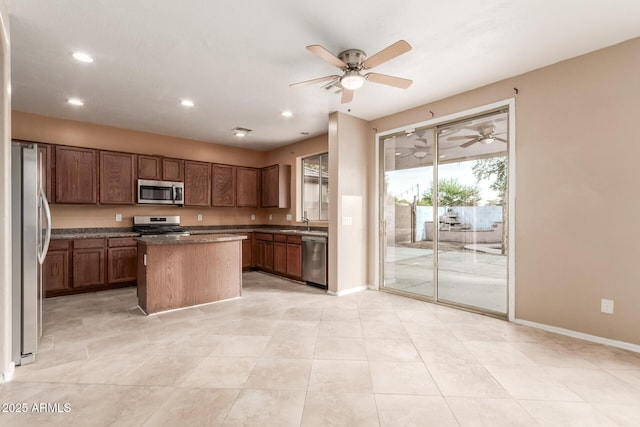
(236, 58)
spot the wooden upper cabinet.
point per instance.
(76, 175)
(276, 186)
(247, 187)
(223, 185)
(117, 178)
(197, 183)
(172, 169)
(45, 164)
(149, 167)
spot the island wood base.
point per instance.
(182, 275)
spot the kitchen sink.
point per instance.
(319, 233)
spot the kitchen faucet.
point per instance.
(305, 219)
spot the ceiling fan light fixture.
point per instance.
(487, 140)
(352, 80)
(241, 132)
(420, 154)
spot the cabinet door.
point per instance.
(46, 165)
(88, 267)
(269, 187)
(223, 186)
(122, 264)
(117, 178)
(173, 169)
(260, 251)
(197, 184)
(294, 261)
(246, 254)
(76, 175)
(55, 271)
(149, 167)
(268, 256)
(280, 258)
(247, 187)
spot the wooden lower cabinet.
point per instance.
(279, 254)
(294, 261)
(280, 258)
(264, 251)
(84, 265)
(247, 252)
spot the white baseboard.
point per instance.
(8, 376)
(348, 291)
(580, 335)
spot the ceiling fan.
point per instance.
(486, 135)
(421, 147)
(353, 62)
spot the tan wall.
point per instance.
(38, 128)
(5, 197)
(348, 198)
(576, 154)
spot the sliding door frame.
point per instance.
(508, 104)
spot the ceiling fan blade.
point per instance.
(501, 139)
(323, 53)
(468, 144)
(318, 80)
(347, 96)
(389, 80)
(396, 49)
(459, 137)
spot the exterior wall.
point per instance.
(575, 146)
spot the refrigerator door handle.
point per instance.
(47, 238)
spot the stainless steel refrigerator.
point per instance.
(31, 232)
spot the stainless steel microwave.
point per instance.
(160, 192)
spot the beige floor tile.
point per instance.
(465, 380)
(378, 315)
(391, 349)
(251, 326)
(340, 314)
(551, 354)
(280, 374)
(303, 313)
(340, 348)
(489, 412)
(532, 382)
(623, 415)
(422, 317)
(383, 330)
(339, 409)
(340, 376)
(399, 410)
(597, 386)
(291, 347)
(497, 353)
(194, 407)
(630, 376)
(221, 372)
(241, 346)
(336, 328)
(402, 378)
(566, 414)
(262, 408)
(438, 351)
(163, 371)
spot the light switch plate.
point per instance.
(347, 220)
(199, 217)
(288, 217)
(118, 217)
(253, 217)
(270, 217)
(606, 306)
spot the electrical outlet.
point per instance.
(288, 217)
(199, 217)
(606, 306)
(253, 217)
(118, 217)
(270, 217)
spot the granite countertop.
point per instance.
(91, 233)
(175, 240)
(259, 230)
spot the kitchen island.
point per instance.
(182, 271)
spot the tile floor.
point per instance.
(288, 355)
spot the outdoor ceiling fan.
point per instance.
(353, 62)
(421, 147)
(486, 135)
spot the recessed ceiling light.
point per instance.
(75, 101)
(397, 154)
(187, 103)
(82, 57)
(442, 156)
(286, 114)
(241, 132)
(304, 133)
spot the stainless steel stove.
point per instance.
(158, 226)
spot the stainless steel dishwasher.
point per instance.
(314, 260)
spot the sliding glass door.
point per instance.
(445, 211)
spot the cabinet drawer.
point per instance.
(88, 243)
(264, 236)
(280, 237)
(59, 245)
(115, 242)
(296, 240)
